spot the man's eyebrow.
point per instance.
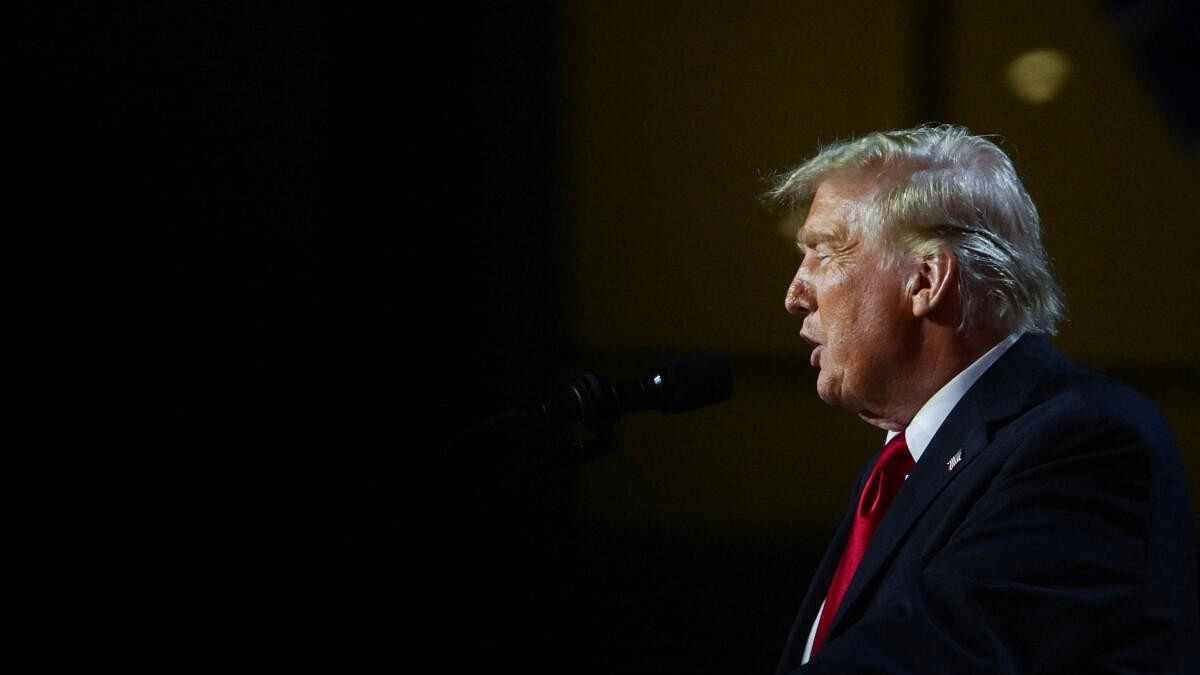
(807, 237)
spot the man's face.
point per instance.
(855, 309)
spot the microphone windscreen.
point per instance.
(696, 381)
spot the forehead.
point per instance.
(835, 208)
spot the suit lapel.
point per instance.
(1000, 393)
(927, 480)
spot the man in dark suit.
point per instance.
(1025, 515)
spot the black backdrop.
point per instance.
(289, 252)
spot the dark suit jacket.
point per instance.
(1062, 542)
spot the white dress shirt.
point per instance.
(928, 420)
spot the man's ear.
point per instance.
(933, 282)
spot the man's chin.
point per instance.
(828, 390)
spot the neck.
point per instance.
(941, 352)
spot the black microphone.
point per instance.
(529, 438)
(676, 386)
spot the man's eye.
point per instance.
(814, 257)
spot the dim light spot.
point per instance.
(1037, 76)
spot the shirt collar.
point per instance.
(929, 418)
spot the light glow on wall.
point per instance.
(1037, 76)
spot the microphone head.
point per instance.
(694, 382)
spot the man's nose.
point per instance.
(799, 299)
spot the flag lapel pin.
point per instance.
(954, 461)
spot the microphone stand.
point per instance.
(541, 437)
(602, 441)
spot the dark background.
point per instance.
(291, 251)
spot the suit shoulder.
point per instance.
(1085, 398)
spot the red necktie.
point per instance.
(894, 463)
